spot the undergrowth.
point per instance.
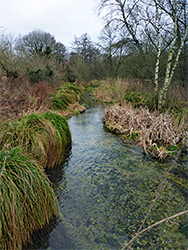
(36, 138)
(139, 93)
(19, 98)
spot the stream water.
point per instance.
(104, 189)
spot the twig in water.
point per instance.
(151, 226)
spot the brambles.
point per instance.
(18, 98)
(27, 199)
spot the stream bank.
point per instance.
(104, 189)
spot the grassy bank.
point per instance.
(29, 145)
(45, 136)
(27, 199)
(34, 135)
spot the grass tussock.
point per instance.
(154, 131)
(65, 100)
(44, 136)
(26, 197)
(64, 96)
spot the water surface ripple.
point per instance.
(104, 189)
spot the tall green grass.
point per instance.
(26, 198)
(44, 136)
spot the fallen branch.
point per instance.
(151, 226)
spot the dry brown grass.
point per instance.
(154, 131)
(116, 90)
(111, 91)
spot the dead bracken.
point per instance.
(154, 131)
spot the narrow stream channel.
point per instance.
(104, 189)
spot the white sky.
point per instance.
(63, 19)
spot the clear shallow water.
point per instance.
(104, 189)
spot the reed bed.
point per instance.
(154, 131)
(26, 197)
(111, 91)
(44, 136)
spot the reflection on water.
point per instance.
(104, 189)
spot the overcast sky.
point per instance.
(63, 19)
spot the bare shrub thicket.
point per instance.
(14, 98)
(19, 97)
(154, 131)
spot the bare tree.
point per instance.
(124, 16)
(40, 43)
(163, 22)
(179, 36)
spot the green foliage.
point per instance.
(133, 97)
(137, 99)
(58, 104)
(181, 117)
(40, 74)
(27, 199)
(62, 128)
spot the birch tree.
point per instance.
(159, 38)
(170, 69)
(180, 41)
(163, 22)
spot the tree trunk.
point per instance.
(170, 72)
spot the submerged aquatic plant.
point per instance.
(44, 136)
(26, 197)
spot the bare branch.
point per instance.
(151, 226)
